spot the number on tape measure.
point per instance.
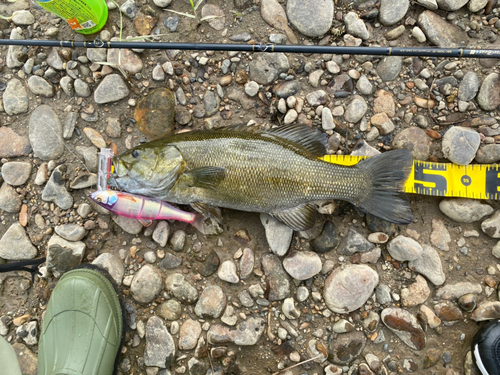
(478, 181)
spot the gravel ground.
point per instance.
(354, 294)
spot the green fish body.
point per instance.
(276, 172)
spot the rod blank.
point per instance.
(262, 47)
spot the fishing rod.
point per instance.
(263, 47)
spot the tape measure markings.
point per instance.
(477, 181)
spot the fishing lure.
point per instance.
(142, 208)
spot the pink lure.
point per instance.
(142, 208)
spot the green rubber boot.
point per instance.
(83, 327)
(8, 359)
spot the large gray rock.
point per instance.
(464, 210)
(15, 98)
(160, 346)
(9, 199)
(468, 87)
(265, 68)
(489, 94)
(301, 12)
(63, 255)
(302, 265)
(440, 32)
(460, 144)
(211, 303)
(278, 235)
(356, 26)
(392, 11)
(429, 264)
(45, 133)
(405, 325)
(112, 264)
(451, 5)
(111, 89)
(146, 284)
(16, 245)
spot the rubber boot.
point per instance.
(8, 359)
(83, 326)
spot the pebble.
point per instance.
(55, 190)
(210, 265)
(469, 87)
(274, 14)
(16, 173)
(279, 285)
(211, 303)
(251, 88)
(246, 333)
(129, 225)
(178, 240)
(63, 255)
(455, 291)
(347, 289)
(447, 311)
(389, 68)
(169, 310)
(451, 5)
(211, 103)
(383, 123)
(317, 98)
(40, 86)
(210, 10)
(353, 243)
(302, 265)
(486, 311)
(146, 284)
(71, 232)
(247, 261)
(82, 88)
(265, 68)
(356, 109)
(405, 326)
(112, 264)
(343, 326)
(418, 34)
(415, 294)
(346, 347)
(160, 346)
(278, 235)
(170, 261)
(464, 210)
(181, 289)
(488, 97)
(488, 154)
(15, 98)
(161, 233)
(301, 12)
(111, 89)
(355, 26)
(302, 293)
(384, 102)
(15, 54)
(415, 140)
(364, 86)
(28, 332)
(9, 199)
(429, 317)
(460, 144)
(429, 264)
(491, 226)
(440, 32)
(23, 18)
(289, 309)
(227, 272)
(16, 245)
(45, 133)
(327, 240)
(476, 5)
(440, 237)
(315, 76)
(392, 11)
(327, 122)
(189, 334)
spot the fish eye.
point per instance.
(135, 153)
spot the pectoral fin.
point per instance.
(204, 177)
(297, 218)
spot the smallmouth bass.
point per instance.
(274, 171)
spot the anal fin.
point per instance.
(298, 218)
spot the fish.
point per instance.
(276, 171)
(145, 209)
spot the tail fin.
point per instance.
(388, 173)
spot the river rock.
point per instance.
(112, 264)
(278, 235)
(15, 98)
(486, 311)
(146, 284)
(111, 89)
(16, 173)
(265, 68)
(355, 26)
(469, 87)
(348, 288)
(353, 243)
(9, 199)
(429, 265)
(454, 291)
(302, 265)
(451, 5)
(247, 262)
(15, 54)
(12, 144)
(63, 255)
(189, 334)
(488, 154)
(440, 32)
(488, 97)
(160, 346)
(447, 311)
(392, 11)
(301, 12)
(416, 293)
(126, 59)
(40, 86)
(129, 225)
(405, 326)
(246, 333)
(356, 109)
(460, 144)
(16, 245)
(464, 210)
(440, 237)
(274, 14)
(181, 289)
(279, 285)
(45, 133)
(211, 303)
(170, 310)
(415, 140)
(346, 347)
(327, 240)
(71, 232)
(55, 190)
(227, 272)
(491, 226)
(404, 248)
(154, 114)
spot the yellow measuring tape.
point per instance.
(477, 181)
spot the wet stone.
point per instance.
(429, 265)
(327, 240)
(454, 291)
(447, 311)
(464, 210)
(160, 346)
(45, 133)
(71, 232)
(55, 190)
(9, 199)
(181, 289)
(416, 293)
(146, 284)
(279, 236)
(211, 303)
(486, 311)
(188, 335)
(16, 245)
(265, 68)
(405, 326)
(169, 310)
(302, 265)
(301, 12)
(112, 264)
(63, 255)
(349, 288)
(389, 67)
(415, 140)
(353, 243)
(392, 11)
(469, 87)
(16, 173)
(15, 98)
(460, 145)
(346, 347)
(111, 89)
(277, 280)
